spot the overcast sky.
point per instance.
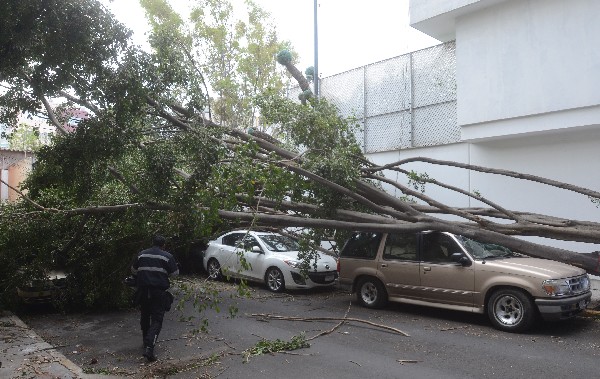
(352, 33)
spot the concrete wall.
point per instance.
(17, 174)
(450, 175)
(15, 166)
(571, 158)
(529, 58)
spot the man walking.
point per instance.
(152, 268)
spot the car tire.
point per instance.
(371, 293)
(511, 310)
(274, 279)
(213, 267)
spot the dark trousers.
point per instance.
(152, 304)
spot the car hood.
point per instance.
(324, 262)
(534, 267)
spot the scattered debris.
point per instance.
(265, 346)
(403, 361)
(454, 328)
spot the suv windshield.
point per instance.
(480, 250)
(275, 242)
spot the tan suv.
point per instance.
(449, 271)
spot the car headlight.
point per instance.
(292, 263)
(557, 287)
(585, 283)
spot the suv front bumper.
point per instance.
(560, 309)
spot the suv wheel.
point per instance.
(214, 269)
(511, 310)
(371, 293)
(274, 279)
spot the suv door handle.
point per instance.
(426, 268)
(384, 265)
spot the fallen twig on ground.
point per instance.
(345, 319)
(335, 327)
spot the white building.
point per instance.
(527, 98)
(513, 86)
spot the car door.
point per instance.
(443, 280)
(253, 267)
(399, 265)
(228, 253)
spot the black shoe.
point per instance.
(149, 354)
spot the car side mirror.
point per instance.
(460, 258)
(256, 249)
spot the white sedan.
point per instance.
(266, 257)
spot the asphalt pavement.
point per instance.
(25, 354)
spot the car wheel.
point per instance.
(511, 310)
(214, 269)
(371, 293)
(274, 279)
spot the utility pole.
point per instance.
(316, 73)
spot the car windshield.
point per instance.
(275, 242)
(480, 250)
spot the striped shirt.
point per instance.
(153, 267)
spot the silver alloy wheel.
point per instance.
(275, 280)
(369, 293)
(508, 310)
(214, 269)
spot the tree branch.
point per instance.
(512, 174)
(83, 103)
(36, 205)
(294, 318)
(432, 202)
(52, 116)
(121, 178)
(510, 214)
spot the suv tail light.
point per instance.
(338, 266)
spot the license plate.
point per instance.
(329, 278)
(582, 304)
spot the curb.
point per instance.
(58, 356)
(25, 354)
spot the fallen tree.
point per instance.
(150, 159)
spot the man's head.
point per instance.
(158, 240)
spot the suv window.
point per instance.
(362, 245)
(401, 246)
(438, 247)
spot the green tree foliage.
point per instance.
(49, 45)
(148, 159)
(24, 137)
(234, 55)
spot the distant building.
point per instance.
(72, 117)
(16, 162)
(15, 165)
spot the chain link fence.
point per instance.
(402, 102)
